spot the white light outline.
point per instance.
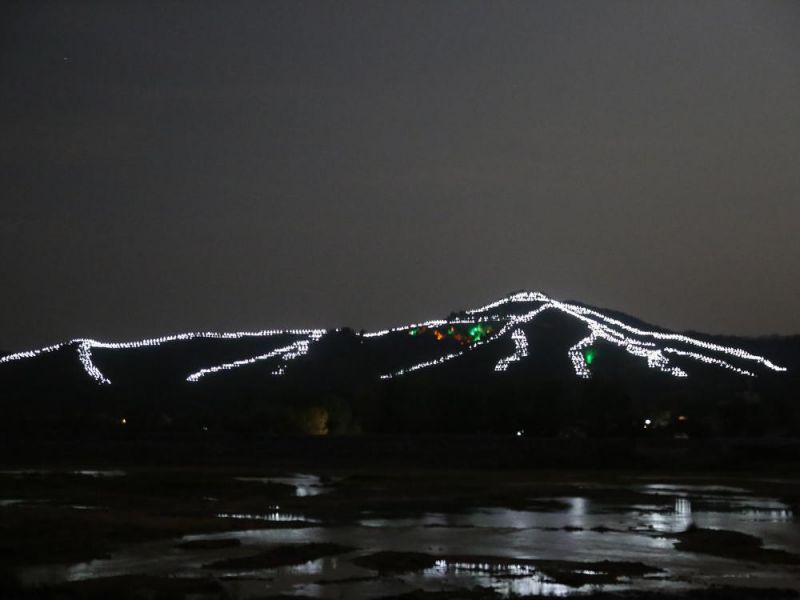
(603, 329)
(84, 347)
(512, 322)
(709, 360)
(31, 353)
(520, 351)
(600, 327)
(287, 353)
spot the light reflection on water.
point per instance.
(718, 497)
(673, 489)
(95, 473)
(13, 501)
(275, 517)
(575, 516)
(584, 530)
(303, 483)
(770, 516)
(674, 521)
(30, 502)
(720, 507)
(81, 472)
(505, 579)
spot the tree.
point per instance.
(313, 421)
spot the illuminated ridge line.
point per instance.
(84, 347)
(601, 327)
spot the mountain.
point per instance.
(524, 358)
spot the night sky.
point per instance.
(168, 167)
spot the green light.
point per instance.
(413, 331)
(477, 332)
(451, 330)
(589, 355)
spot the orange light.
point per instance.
(438, 335)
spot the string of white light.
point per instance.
(84, 346)
(85, 356)
(601, 327)
(382, 332)
(31, 353)
(737, 352)
(709, 360)
(518, 297)
(576, 356)
(513, 321)
(520, 351)
(583, 311)
(295, 349)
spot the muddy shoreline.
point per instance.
(259, 530)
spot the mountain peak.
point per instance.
(503, 321)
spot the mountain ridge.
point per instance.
(525, 360)
(507, 317)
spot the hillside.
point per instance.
(525, 358)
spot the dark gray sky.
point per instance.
(179, 166)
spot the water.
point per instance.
(80, 472)
(635, 525)
(274, 516)
(303, 483)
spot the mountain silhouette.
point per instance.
(517, 344)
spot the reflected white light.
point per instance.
(277, 517)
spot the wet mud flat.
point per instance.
(122, 531)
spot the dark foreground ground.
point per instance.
(401, 517)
